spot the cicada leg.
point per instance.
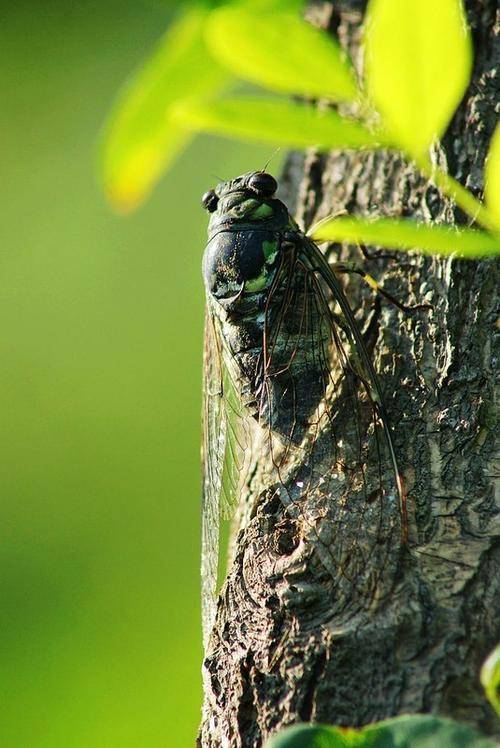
(354, 268)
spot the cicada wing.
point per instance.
(365, 370)
(212, 447)
(295, 367)
(223, 453)
(324, 400)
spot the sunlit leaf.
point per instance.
(141, 137)
(407, 234)
(276, 122)
(265, 6)
(422, 730)
(307, 736)
(280, 51)
(418, 62)
(492, 177)
(490, 678)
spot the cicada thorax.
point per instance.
(274, 337)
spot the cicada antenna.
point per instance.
(273, 154)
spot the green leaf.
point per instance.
(277, 122)
(407, 234)
(280, 51)
(422, 731)
(418, 62)
(308, 736)
(492, 177)
(141, 137)
(490, 678)
(417, 731)
(266, 6)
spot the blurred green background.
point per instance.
(100, 350)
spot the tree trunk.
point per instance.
(283, 649)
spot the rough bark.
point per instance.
(280, 653)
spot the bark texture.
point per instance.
(283, 650)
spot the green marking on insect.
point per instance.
(270, 250)
(262, 211)
(286, 366)
(257, 284)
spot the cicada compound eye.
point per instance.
(209, 201)
(263, 183)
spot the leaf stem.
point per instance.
(459, 194)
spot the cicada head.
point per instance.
(246, 201)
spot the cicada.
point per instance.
(289, 382)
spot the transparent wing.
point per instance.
(323, 399)
(366, 373)
(223, 452)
